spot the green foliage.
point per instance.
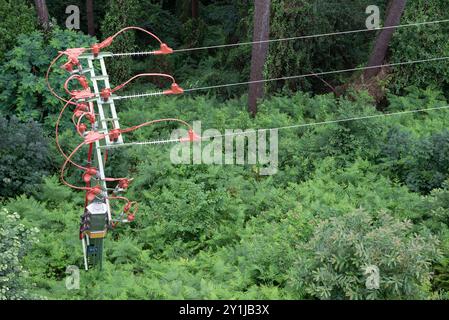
(420, 43)
(117, 18)
(24, 157)
(23, 90)
(16, 17)
(347, 195)
(292, 18)
(15, 241)
(332, 264)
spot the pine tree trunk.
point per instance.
(259, 52)
(195, 9)
(90, 17)
(42, 13)
(379, 53)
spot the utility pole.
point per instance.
(259, 52)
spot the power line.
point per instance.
(287, 39)
(141, 95)
(303, 125)
(320, 73)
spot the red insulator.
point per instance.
(175, 89)
(82, 128)
(93, 192)
(105, 94)
(90, 117)
(96, 48)
(124, 184)
(165, 49)
(114, 134)
(191, 138)
(90, 172)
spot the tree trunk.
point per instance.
(395, 11)
(42, 13)
(259, 52)
(195, 9)
(90, 17)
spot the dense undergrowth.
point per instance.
(214, 231)
(348, 197)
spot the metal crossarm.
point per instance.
(100, 221)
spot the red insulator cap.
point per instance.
(106, 93)
(83, 82)
(82, 128)
(191, 138)
(96, 48)
(68, 66)
(175, 89)
(127, 207)
(131, 217)
(114, 134)
(90, 172)
(93, 192)
(165, 49)
(123, 184)
(91, 117)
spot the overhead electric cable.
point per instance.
(302, 125)
(142, 95)
(320, 35)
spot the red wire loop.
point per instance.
(164, 48)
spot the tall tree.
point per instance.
(195, 9)
(394, 14)
(90, 17)
(42, 13)
(259, 52)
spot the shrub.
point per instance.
(24, 158)
(15, 241)
(333, 263)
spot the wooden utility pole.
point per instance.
(379, 53)
(259, 52)
(90, 17)
(42, 13)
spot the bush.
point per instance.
(15, 241)
(23, 89)
(24, 157)
(16, 17)
(332, 265)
